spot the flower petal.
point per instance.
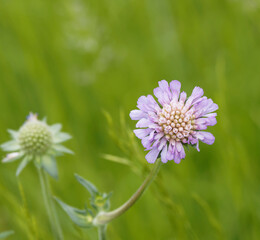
(141, 133)
(137, 114)
(147, 104)
(179, 152)
(10, 146)
(12, 157)
(152, 155)
(205, 137)
(175, 87)
(196, 94)
(23, 164)
(164, 154)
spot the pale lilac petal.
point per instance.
(164, 154)
(137, 114)
(147, 142)
(192, 140)
(196, 94)
(210, 115)
(205, 107)
(159, 135)
(203, 123)
(170, 153)
(147, 104)
(144, 122)
(175, 87)
(179, 152)
(163, 142)
(205, 137)
(165, 88)
(141, 133)
(152, 155)
(163, 93)
(183, 97)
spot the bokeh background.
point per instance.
(85, 63)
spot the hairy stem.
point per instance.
(105, 217)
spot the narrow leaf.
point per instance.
(88, 185)
(80, 217)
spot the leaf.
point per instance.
(55, 128)
(10, 146)
(88, 185)
(23, 164)
(6, 234)
(61, 137)
(80, 217)
(61, 148)
(49, 165)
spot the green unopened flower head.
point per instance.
(36, 141)
(35, 137)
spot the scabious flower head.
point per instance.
(36, 141)
(175, 122)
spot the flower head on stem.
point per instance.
(38, 142)
(176, 121)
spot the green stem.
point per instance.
(53, 209)
(47, 201)
(102, 232)
(105, 217)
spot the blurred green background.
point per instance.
(70, 60)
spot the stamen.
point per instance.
(175, 123)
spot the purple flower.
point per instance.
(175, 122)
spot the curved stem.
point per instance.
(105, 217)
(102, 232)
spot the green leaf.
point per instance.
(49, 165)
(60, 148)
(82, 218)
(10, 146)
(55, 128)
(23, 164)
(61, 137)
(6, 234)
(88, 185)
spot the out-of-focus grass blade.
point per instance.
(117, 159)
(212, 219)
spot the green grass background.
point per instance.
(70, 60)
